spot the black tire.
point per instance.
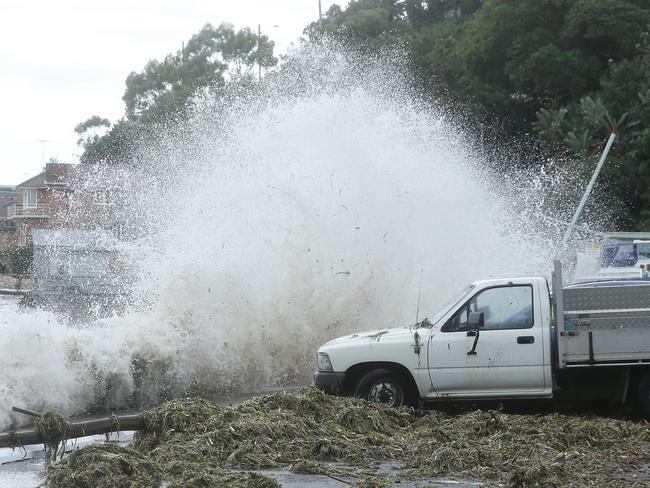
(384, 386)
(643, 397)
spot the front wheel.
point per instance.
(383, 386)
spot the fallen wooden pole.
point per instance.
(77, 429)
(31, 413)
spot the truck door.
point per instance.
(508, 359)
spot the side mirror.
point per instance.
(475, 321)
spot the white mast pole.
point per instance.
(590, 187)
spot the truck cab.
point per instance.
(491, 341)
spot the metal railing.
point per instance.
(17, 211)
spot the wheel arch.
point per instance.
(636, 375)
(354, 373)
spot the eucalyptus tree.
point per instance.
(166, 89)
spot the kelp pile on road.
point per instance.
(197, 443)
(104, 465)
(53, 427)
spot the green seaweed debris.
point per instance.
(377, 335)
(197, 443)
(104, 466)
(54, 428)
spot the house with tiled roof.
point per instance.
(80, 196)
(38, 199)
(66, 200)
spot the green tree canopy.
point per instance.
(565, 70)
(623, 101)
(164, 89)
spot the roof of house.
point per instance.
(54, 174)
(37, 181)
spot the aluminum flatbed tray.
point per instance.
(606, 323)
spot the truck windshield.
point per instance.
(460, 296)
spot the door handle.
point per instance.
(525, 340)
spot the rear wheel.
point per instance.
(643, 397)
(385, 387)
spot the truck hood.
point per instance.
(371, 336)
(391, 345)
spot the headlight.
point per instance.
(323, 362)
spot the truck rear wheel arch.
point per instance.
(641, 394)
(354, 374)
(636, 376)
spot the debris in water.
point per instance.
(424, 323)
(198, 443)
(54, 428)
(377, 335)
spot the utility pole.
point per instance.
(259, 59)
(320, 14)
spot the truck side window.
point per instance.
(458, 321)
(506, 307)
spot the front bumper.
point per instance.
(329, 381)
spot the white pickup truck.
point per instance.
(506, 339)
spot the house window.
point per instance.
(30, 198)
(102, 197)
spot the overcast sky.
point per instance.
(65, 60)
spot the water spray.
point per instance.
(251, 257)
